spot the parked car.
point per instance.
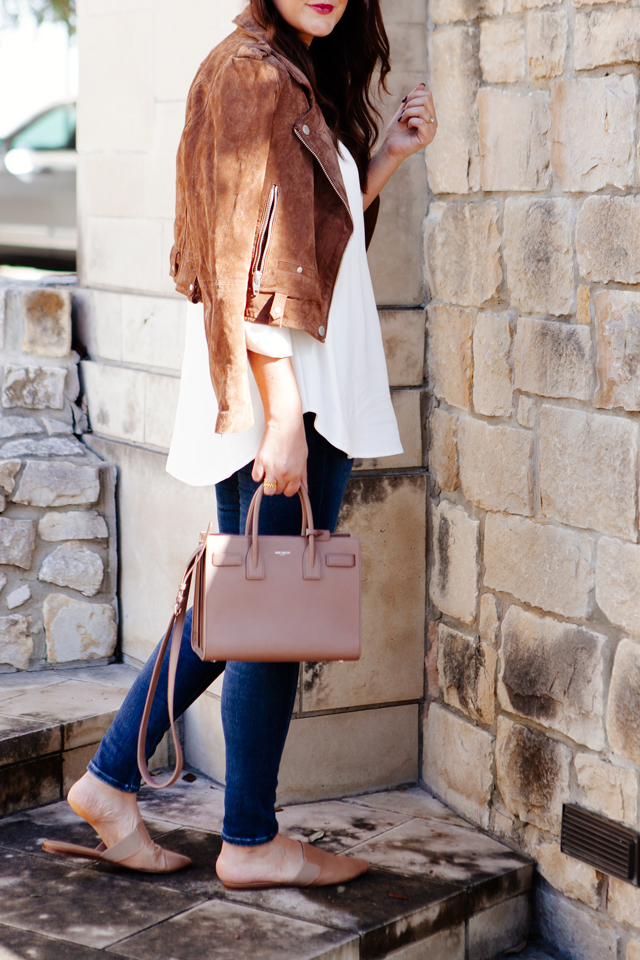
(38, 164)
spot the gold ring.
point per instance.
(269, 485)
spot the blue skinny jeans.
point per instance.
(257, 698)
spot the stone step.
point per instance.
(51, 722)
(439, 888)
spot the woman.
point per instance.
(274, 173)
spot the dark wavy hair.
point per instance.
(340, 68)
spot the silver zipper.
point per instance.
(262, 247)
(332, 182)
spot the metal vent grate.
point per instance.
(604, 844)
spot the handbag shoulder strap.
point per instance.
(173, 634)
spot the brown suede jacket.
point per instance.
(262, 217)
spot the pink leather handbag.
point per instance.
(264, 598)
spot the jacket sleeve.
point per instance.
(230, 173)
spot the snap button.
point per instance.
(190, 286)
(299, 270)
(306, 130)
(321, 331)
(276, 311)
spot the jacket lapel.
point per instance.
(311, 128)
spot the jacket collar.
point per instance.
(247, 22)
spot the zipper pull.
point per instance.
(256, 281)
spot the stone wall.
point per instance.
(356, 725)
(532, 253)
(57, 507)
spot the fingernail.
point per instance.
(404, 99)
(422, 85)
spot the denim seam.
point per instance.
(97, 772)
(244, 842)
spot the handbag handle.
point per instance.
(176, 629)
(253, 519)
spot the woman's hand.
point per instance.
(413, 127)
(281, 460)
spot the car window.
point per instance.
(55, 130)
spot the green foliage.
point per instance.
(57, 10)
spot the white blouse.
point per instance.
(343, 380)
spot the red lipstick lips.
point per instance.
(322, 7)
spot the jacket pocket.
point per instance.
(297, 281)
(264, 239)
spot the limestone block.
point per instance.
(551, 672)
(617, 316)
(503, 53)
(389, 516)
(73, 565)
(583, 305)
(633, 950)
(496, 466)
(623, 903)
(403, 334)
(454, 578)
(17, 597)
(623, 706)
(492, 379)
(547, 43)
(160, 406)
(593, 131)
(453, 159)
(489, 620)
(3, 580)
(571, 490)
(522, 120)
(517, 6)
(553, 359)
(17, 542)
(78, 631)
(72, 525)
(395, 255)
(57, 484)
(16, 644)
(557, 575)
(538, 254)
(408, 413)
(527, 412)
(47, 322)
(462, 254)
(443, 453)
(467, 674)
(448, 11)
(36, 388)
(576, 880)
(458, 757)
(51, 447)
(431, 661)
(618, 582)
(55, 427)
(116, 400)
(608, 239)
(8, 470)
(611, 791)
(607, 36)
(532, 773)
(450, 354)
(15, 426)
(572, 929)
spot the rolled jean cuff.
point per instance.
(244, 842)
(97, 772)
